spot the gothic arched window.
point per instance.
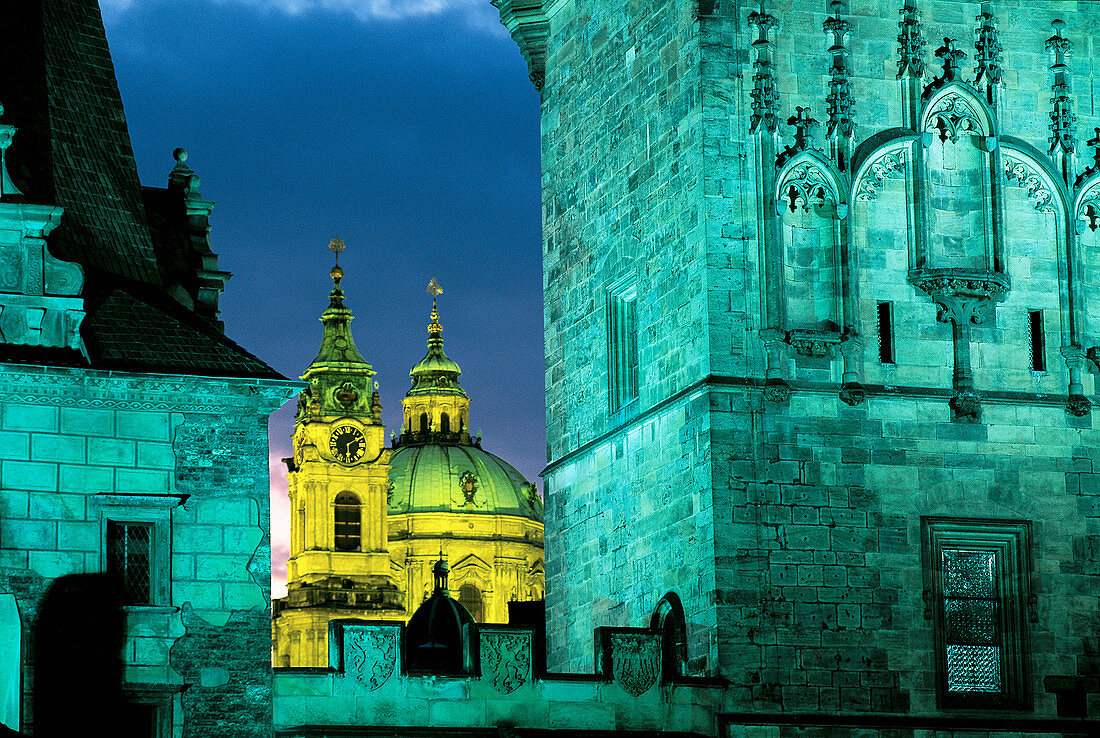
(423, 422)
(348, 522)
(445, 423)
(669, 619)
(469, 597)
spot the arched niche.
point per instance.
(811, 204)
(960, 196)
(668, 618)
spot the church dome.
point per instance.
(462, 478)
(434, 637)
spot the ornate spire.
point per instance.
(338, 351)
(1063, 122)
(765, 98)
(911, 40)
(804, 127)
(841, 107)
(435, 373)
(7, 133)
(988, 56)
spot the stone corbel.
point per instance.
(776, 388)
(851, 391)
(813, 343)
(1077, 404)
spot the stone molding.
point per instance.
(527, 21)
(962, 296)
(72, 387)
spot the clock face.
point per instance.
(347, 444)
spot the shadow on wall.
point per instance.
(78, 669)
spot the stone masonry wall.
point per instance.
(76, 446)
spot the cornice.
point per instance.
(114, 390)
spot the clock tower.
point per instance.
(339, 564)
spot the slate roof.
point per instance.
(73, 149)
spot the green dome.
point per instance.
(436, 477)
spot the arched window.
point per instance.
(470, 597)
(669, 619)
(445, 423)
(423, 422)
(348, 522)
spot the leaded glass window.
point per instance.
(972, 621)
(347, 522)
(978, 590)
(129, 555)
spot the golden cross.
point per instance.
(434, 289)
(336, 245)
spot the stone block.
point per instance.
(78, 536)
(111, 452)
(85, 421)
(581, 716)
(57, 506)
(86, 479)
(57, 448)
(141, 481)
(197, 539)
(468, 713)
(155, 455)
(14, 445)
(29, 417)
(53, 564)
(29, 475)
(143, 426)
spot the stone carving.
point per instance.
(777, 390)
(962, 296)
(765, 98)
(1078, 405)
(345, 394)
(967, 405)
(805, 185)
(370, 653)
(911, 40)
(7, 133)
(635, 661)
(951, 57)
(813, 343)
(1088, 210)
(1026, 176)
(951, 116)
(852, 393)
(988, 49)
(888, 164)
(505, 659)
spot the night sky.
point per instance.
(406, 127)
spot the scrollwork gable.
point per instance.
(808, 179)
(956, 110)
(1031, 171)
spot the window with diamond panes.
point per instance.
(972, 621)
(348, 522)
(129, 555)
(978, 586)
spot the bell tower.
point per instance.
(339, 564)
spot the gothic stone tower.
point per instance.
(826, 382)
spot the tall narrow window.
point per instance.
(469, 597)
(979, 587)
(348, 523)
(1036, 341)
(423, 422)
(444, 423)
(129, 556)
(622, 347)
(886, 333)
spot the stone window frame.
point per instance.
(1011, 541)
(154, 510)
(162, 698)
(347, 515)
(622, 345)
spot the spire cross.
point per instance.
(434, 290)
(803, 128)
(951, 58)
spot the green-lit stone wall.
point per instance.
(791, 529)
(187, 454)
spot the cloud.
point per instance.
(364, 10)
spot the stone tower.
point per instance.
(820, 296)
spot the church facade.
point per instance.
(370, 521)
(821, 308)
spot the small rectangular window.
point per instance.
(129, 555)
(622, 347)
(885, 333)
(1036, 341)
(977, 581)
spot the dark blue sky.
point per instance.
(412, 137)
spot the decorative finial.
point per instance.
(336, 246)
(1063, 121)
(435, 291)
(988, 49)
(911, 40)
(765, 96)
(803, 129)
(441, 569)
(952, 57)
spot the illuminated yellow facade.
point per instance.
(369, 522)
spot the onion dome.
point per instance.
(435, 636)
(459, 478)
(435, 373)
